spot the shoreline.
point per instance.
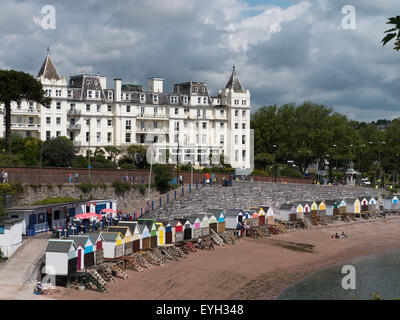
(253, 268)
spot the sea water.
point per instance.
(378, 273)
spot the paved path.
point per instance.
(16, 274)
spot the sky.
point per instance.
(285, 51)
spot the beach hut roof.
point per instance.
(110, 236)
(192, 219)
(287, 206)
(94, 236)
(132, 225)
(122, 229)
(148, 222)
(62, 246)
(233, 212)
(80, 239)
(142, 226)
(331, 202)
(200, 215)
(214, 211)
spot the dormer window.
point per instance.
(199, 100)
(205, 99)
(203, 89)
(155, 98)
(89, 93)
(196, 89)
(110, 95)
(173, 99)
(185, 99)
(142, 98)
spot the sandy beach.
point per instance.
(251, 269)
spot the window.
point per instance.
(128, 124)
(197, 138)
(109, 122)
(236, 139)
(204, 113)
(155, 98)
(185, 99)
(236, 113)
(58, 93)
(88, 107)
(142, 124)
(88, 122)
(236, 155)
(236, 125)
(58, 121)
(205, 99)
(199, 100)
(69, 93)
(221, 124)
(87, 136)
(173, 99)
(221, 139)
(98, 136)
(142, 138)
(98, 108)
(110, 95)
(47, 135)
(185, 124)
(197, 125)
(176, 125)
(243, 139)
(97, 94)
(155, 124)
(243, 125)
(128, 108)
(109, 108)
(89, 93)
(58, 133)
(109, 136)
(142, 97)
(58, 106)
(142, 110)
(204, 125)
(236, 102)
(98, 121)
(243, 113)
(48, 120)
(198, 112)
(244, 155)
(30, 120)
(204, 138)
(196, 89)
(203, 89)
(176, 110)
(176, 138)
(244, 102)
(155, 111)
(185, 138)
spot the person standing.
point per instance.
(76, 177)
(180, 180)
(5, 177)
(70, 178)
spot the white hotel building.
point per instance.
(188, 119)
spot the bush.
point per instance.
(11, 188)
(103, 186)
(85, 187)
(120, 188)
(163, 175)
(55, 200)
(142, 187)
(289, 172)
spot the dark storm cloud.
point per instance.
(283, 54)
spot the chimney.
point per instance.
(117, 88)
(155, 84)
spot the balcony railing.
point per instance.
(152, 130)
(25, 126)
(74, 112)
(74, 126)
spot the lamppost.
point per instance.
(40, 165)
(151, 165)
(274, 152)
(336, 158)
(380, 166)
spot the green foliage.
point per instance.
(263, 159)
(120, 188)
(376, 296)
(289, 172)
(126, 163)
(142, 187)
(393, 32)
(10, 160)
(58, 152)
(137, 154)
(49, 186)
(163, 174)
(85, 187)
(103, 186)
(55, 200)
(10, 188)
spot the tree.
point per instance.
(113, 153)
(16, 86)
(163, 175)
(138, 155)
(393, 32)
(262, 160)
(58, 152)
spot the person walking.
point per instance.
(180, 180)
(5, 177)
(76, 177)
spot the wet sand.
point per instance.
(251, 269)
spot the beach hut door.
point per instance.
(79, 259)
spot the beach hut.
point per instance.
(152, 230)
(11, 230)
(395, 203)
(235, 216)
(135, 232)
(306, 209)
(144, 236)
(187, 228)
(365, 203)
(372, 203)
(195, 223)
(213, 223)
(168, 231)
(352, 205)
(205, 224)
(255, 219)
(342, 207)
(87, 257)
(220, 217)
(126, 235)
(299, 211)
(113, 244)
(266, 215)
(321, 208)
(314, 209)
(97, 241)
(60, 257)
(177, 231)
(160, 234)
(287, 212)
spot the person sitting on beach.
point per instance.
(336, 236)
(211, 246)
(199, 241)
(343, 235)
